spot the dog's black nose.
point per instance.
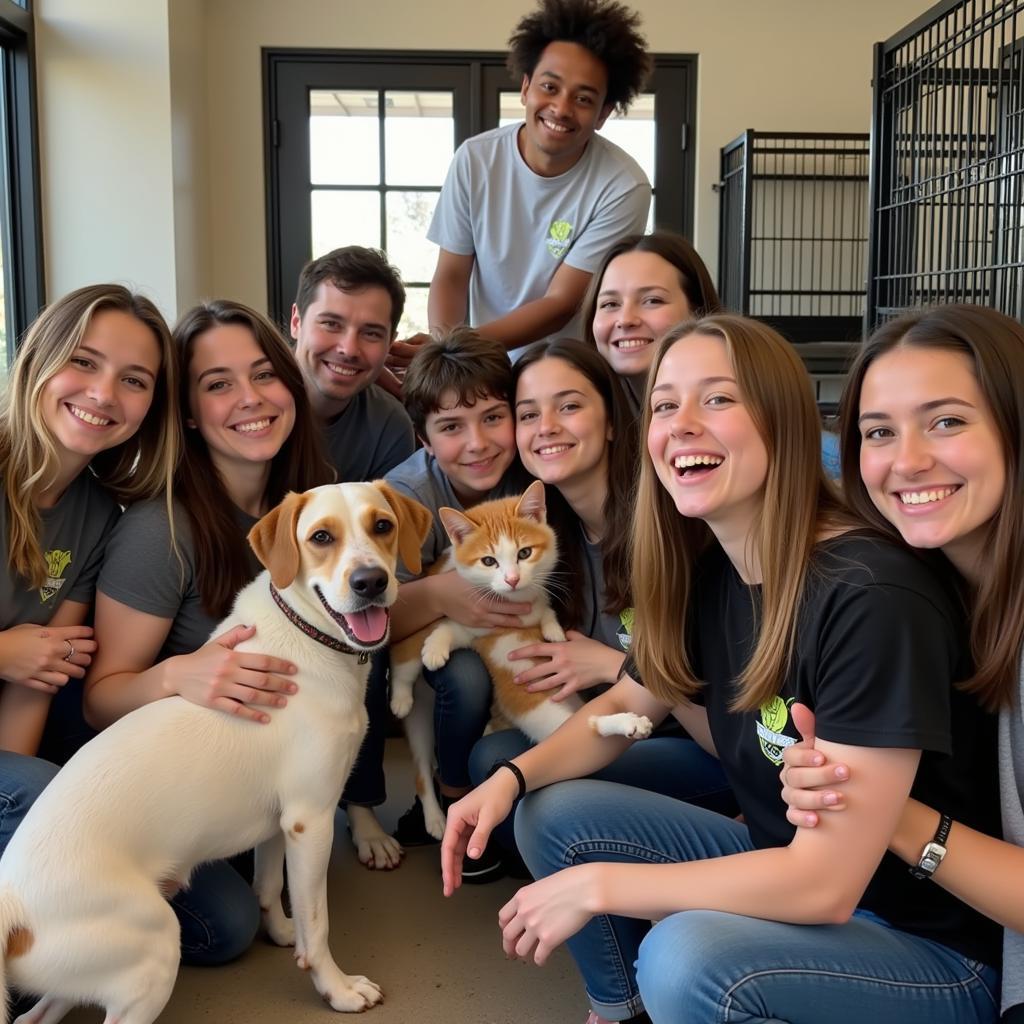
(370, 581)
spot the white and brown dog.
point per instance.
(83, 913)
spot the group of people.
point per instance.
(825, 823)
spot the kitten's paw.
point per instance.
(401, 704)
(436, 652)
(634, 727)
(552, 632)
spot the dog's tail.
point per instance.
(15, 939)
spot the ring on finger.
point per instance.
(71, 650)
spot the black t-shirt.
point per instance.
(880, 640)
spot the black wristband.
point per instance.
(515, 770)
(942, 832)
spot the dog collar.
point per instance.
(312, 632)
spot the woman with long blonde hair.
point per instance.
(755, 588)
(87, 421)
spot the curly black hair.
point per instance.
(609, 30)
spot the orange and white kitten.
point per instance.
(506, 548)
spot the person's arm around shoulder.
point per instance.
(979, 869)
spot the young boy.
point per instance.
(457, 392)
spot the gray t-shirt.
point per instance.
(614, 631)
(141, 571)
(522, 226)
(421, 478)
(1011, 791)
(371, 436)
(74, 534)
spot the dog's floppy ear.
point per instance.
(414, 523)
(274, 541)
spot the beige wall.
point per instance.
(105, 145)
(181, 150)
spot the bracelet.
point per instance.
(933, 853)
(515, 770)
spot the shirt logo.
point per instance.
(774, 716)
(559, 238)
(625, 634)
(56, 563)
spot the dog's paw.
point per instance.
(279, 927)
(434, 821)
(436, 652)
(374, 847)
(634, 727)
(401, 704)
(351, 993)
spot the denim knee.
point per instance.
(219, 916)
(22, 779)
(462, 707)
(676, 969)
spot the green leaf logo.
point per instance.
(775, 714)
(560, 230)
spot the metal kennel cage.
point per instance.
(793, 242)
(793, 232)
(947, 169)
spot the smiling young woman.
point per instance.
(250, 438)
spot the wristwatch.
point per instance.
(933, 852)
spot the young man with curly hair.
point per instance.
(528, 210)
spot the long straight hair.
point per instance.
(221, 551)
(140, 467)
(797, 503)
(619, 502)
(994, 344)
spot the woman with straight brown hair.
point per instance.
(753, 589)
(250, 438)
(933, 422)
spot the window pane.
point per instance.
(344, 140)
(344, 218)
(414, 316)
(409, 215)
(634, 133)
(7, 338)
(419, 137)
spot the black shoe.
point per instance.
(488, 867)
(412, 829)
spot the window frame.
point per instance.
(289, 74)
(24, 273)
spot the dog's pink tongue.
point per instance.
(368, 625)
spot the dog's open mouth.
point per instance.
(367, 627)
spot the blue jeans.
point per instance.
(672, 765)
(462, 709)
(219, 914)
(705, 966)
(22, 779)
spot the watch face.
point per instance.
(929, 864)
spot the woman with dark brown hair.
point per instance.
(933, 421)
(164, 585)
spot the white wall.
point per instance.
(105, 145)
(174, 195)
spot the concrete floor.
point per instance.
(439, 961)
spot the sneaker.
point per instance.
(488, 867)
(411, 829)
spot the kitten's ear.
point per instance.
(532, 504)
(457, 525)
